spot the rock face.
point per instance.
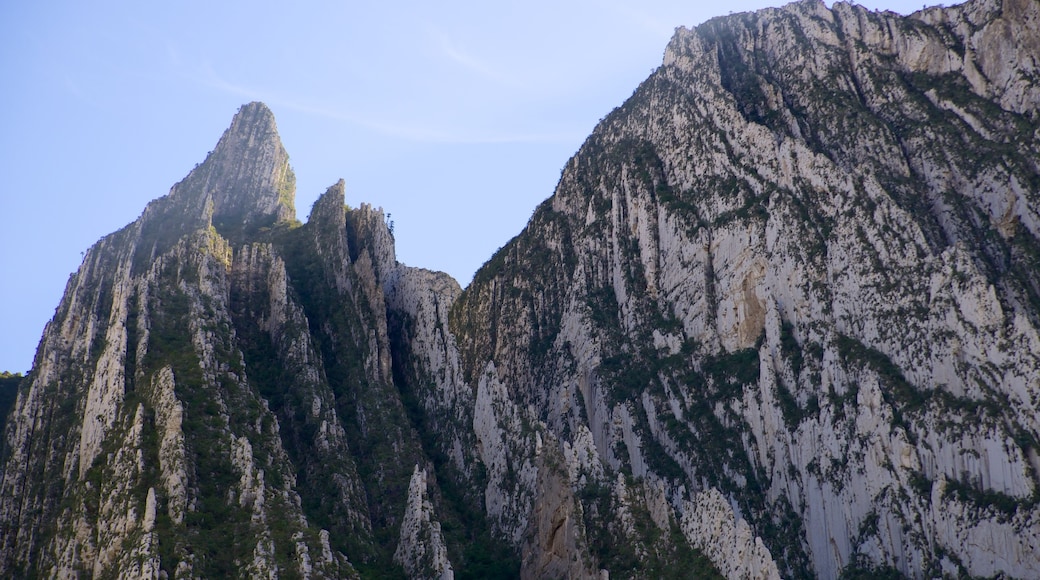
(792, 284)
(781, 318)
(421, 549)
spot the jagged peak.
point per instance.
(246, 177)
(331, 203)
(253, 126)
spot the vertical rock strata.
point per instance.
(781, 318)
(150, 439)
(421, 549)
(792, 284)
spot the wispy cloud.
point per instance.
(424, 133)
(73, 87)
(211, 79)
(646, 21)
(408, 131)
(487, 71)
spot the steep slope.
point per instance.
(787, 296)
(139, 443)
(214, 395)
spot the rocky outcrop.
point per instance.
(709, 522)
(245, 182)
(421, 551)
(555, 545)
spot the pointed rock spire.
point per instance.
(247, 176)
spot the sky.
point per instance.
(455, 117)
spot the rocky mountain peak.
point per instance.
(247, 177)
(329, 206)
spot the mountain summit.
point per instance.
(780, 318)
(247, 176)
(244, 183)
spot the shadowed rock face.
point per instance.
(776, 274)
(780, 318)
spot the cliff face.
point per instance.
(780, 318)
(214, 395)
(788, 294)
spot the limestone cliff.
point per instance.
(781, 318)
(791, 284)
(202, 403)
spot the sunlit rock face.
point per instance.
(779, 319)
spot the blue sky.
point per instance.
(454, 116)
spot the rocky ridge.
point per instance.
(780, 318)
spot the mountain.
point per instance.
(781, 317)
